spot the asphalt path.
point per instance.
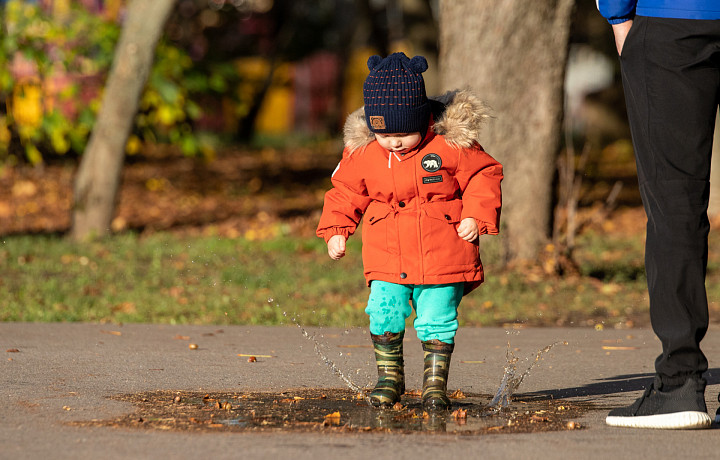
(52, 374)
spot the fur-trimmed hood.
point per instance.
(457, 115)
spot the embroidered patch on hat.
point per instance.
(377, 122)
(431, 162)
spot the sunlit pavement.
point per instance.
(53, 374)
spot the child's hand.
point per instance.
(336, 247)
(468, 229)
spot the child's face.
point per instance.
(400, 143)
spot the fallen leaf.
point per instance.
(125, 307)
(12, 350)
(459, 414)
(398, 406)
(457, 394)
(111, 332)
(332, 419)
(181, 337)
(252, 359)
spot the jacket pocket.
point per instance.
(377, 235)
(442, 244)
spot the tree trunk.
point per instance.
(98, 178)
(513, 53)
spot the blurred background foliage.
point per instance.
(58, 55)
(234, 71)
(262, 88)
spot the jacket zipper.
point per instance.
(419, 226)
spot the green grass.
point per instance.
(165, 279)
(207, 280)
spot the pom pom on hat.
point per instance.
(419, 64)
(373, 61)
(394, 94)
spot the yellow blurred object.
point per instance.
(112, 9)
(27, 104)
(355, 75)
(5, 134)
(133, 145)
(165, 115)
(60, 8)
(276, 113)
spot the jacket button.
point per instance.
(403, 275)
(401, 204)
(447, 217)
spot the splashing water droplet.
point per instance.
(512, 378)
(333, 367)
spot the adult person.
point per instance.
(670, 60)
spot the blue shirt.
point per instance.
(617, 11)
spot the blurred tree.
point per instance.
(98, 177)
(513, 53)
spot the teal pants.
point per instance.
(435, 307)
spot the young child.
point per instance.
(413, 169)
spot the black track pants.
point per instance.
(671, 78)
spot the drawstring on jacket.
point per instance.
(390, 158)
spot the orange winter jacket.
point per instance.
(411, 205)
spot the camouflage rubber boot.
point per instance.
(391, 371)
(437, 366)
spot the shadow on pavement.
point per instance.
(614, 385)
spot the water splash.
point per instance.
(333, 367)
(512, 378)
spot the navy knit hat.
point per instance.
(394, 94)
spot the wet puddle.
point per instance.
(348, 410)
(339, 410)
